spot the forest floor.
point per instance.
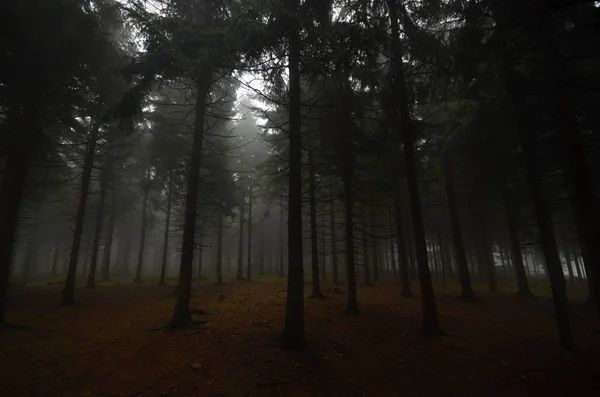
(499, 346)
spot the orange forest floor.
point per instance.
(500, 346)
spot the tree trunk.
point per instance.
(292, 335)
(281, 246)
(402, 260)
(249, 265)
(549, 246)
(579, 177)
(68, 293)
(334, 259)
(316, 283)
(108, 242)
(91, 281)
(219, 267)
(140, 263)
(488, 253)
(365, 249)
(513, 232)
(240, 264)
(459, 248)
(352, 303)
(392, 260)
(165, 253)
(529, 137)
(181, 312)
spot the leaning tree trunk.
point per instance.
(181, 312)
(316, 283)
(515, 243)
(165, 253)
(404, 127)
(140, 262)
(292, 335)
(91, 281)
(68, 293)
(249, 261)
(108, 242)
(549, 245)
(219, 266)
(459, 248)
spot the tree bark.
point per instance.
(91, 281)
(68, 293)
(292, 335)
(515, 243)
(314, 248)
(219, 267)
(459, 248)
(334, 258)
(165, 253)
(140, 263)
(181, 312)
(249, 253)
(402, 260)
(281, 246)
(108, 242)
(240, 264)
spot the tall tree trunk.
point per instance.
(249, 253)
(401, 247)
(23, 135)
(391, 253)
(292, 335)
(488, 253)
(200, 257)
(240, 264)
(529, 136)
(108, 242)
(281, 246)
(549, 246)
(140, 262)
(165, 253)
(323, 250)
(314, 248)
(219, 267)
(334, 258)
(459, 248)
(515, 243)
(68, 293)
(91, 281)
(181, 312)
(579, 176)
(365, 248)
(352, 303)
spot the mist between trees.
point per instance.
(432, 143)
